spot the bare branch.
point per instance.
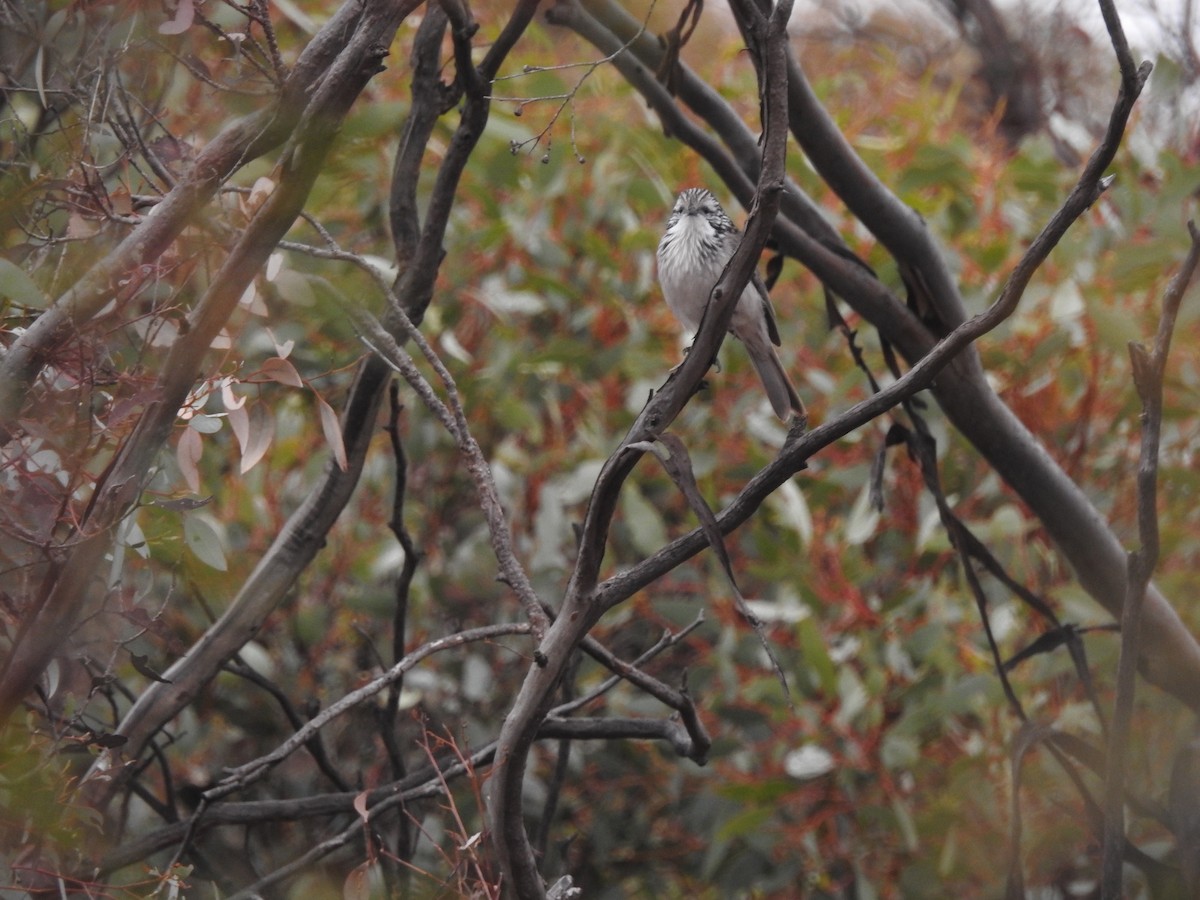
(425, 782)
(1149, 369)
(250, 772)
(580, 611)
(453, 418)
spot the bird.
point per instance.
(699, 240)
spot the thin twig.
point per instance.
(450, 413)
(254, 770)
(566, 97)
(1149, 368)
(426, 782)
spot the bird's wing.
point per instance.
(772, 328)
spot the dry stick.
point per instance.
(581, 728)
(694, 743)
(419, 785)
(678, 700)
(348, 834)
(1149, 368)
(579, 611)
(315, 746)
(453, 417)
(250, 772)
(257, 812)
(587, 729)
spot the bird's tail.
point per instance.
(780, 391)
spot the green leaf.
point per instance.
(761, 792)
(812, 647)
(748, 822)
(204, 539)
(643, 520)
(18, 287)
(1138, 268)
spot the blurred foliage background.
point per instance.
(890, 770)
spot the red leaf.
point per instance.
(188, 454)
(333, 432)
(279, 369)
(358, 883)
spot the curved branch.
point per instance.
(580, 611)
(603, 728)
(1171, 658)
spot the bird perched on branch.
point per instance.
(699, 241)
